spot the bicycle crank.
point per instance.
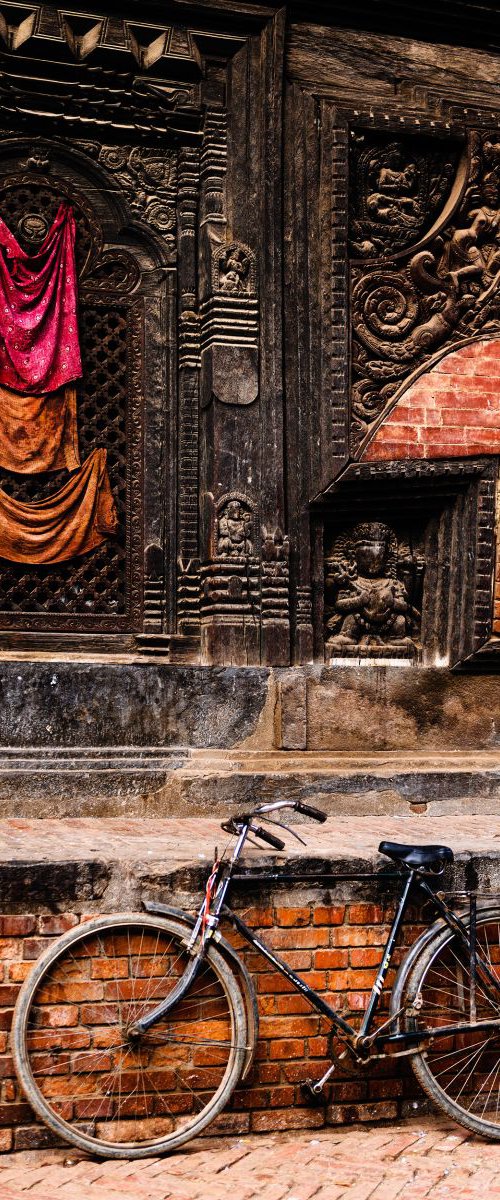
(313, 1089)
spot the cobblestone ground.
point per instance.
(419, 1159)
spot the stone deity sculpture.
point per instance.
(371, 606)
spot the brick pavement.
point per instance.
(425, 1158)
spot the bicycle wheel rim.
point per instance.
(461, 1073)
(139, 1105)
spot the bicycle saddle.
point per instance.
(416, 856)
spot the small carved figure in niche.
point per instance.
(234, 267)
(371, 606)
(275, 546)
(234, 531)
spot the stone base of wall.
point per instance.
(153, 740)
(331, 936)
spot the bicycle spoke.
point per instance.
(461, 1070)
(89, 1063)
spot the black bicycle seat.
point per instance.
(416, 856)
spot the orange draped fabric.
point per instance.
(80, 516)
(38, 433)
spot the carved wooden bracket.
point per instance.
(230, 329)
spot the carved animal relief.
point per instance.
(397, 189)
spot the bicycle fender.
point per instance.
(245, 979)
(398, 989)
(399, 985)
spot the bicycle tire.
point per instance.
(461, 1074)
(71, 1039)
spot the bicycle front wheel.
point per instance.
(461, 1073)
(85, 1072)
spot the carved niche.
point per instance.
(230, 581)
(230, 328)
(443, 291)
(371, 584)
(234, 529)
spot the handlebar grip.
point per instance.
(308, 811)
(265, 836)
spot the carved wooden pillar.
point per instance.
(189, 362)
(245, 611)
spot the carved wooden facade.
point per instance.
(280, 229)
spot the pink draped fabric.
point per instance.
(39, 347)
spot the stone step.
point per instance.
(139, 781)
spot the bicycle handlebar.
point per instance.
(307, 810)
(237, 823)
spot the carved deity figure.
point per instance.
(466, 259)
(234, 266)
(491, 178)
(234, 531)
(371, 605)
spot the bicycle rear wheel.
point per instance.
(75, 1054)
(461, 1073)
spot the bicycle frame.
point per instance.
(360, 1040)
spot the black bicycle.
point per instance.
(132, 1032)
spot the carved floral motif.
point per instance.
(368, 585)
(148, 179)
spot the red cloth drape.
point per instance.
(39, 347)
(80, 516)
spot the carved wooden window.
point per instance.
(99, 591)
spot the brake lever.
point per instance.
(287, 828)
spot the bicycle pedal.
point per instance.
(311, 1092)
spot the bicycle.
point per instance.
(132, 1031)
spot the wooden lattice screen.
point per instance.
(91, 592)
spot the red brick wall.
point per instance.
(496, 592)
(450, 411)
(335, 947)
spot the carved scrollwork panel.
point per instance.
(149, 181)
(115, 270)
(447, 291)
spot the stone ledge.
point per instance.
(111, 864)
